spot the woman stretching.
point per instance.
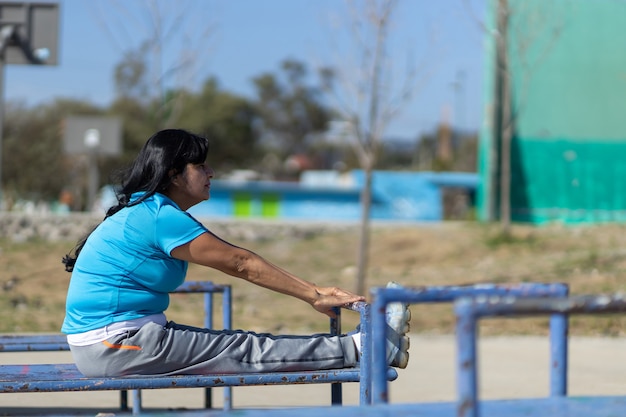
(123, 271)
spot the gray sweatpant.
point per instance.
(178, 349)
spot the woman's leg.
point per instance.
(179, 349)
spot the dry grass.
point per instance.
(590, 259)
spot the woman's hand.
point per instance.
(329, 297)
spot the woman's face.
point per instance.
(192, 186)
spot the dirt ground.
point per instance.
(590, 259)
(513, 353)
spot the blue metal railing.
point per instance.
(468, 311)
(381, 297)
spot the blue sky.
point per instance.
(250, 37)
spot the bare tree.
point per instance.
(368, 102)
(506, 111)
(506, 119)
(161, 44)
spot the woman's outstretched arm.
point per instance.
(212, 251)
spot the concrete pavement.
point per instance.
(510, 367)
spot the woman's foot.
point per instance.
(397, 316)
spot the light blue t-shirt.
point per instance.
(125, 270)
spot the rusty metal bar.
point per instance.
(440, 294)
(469, 310)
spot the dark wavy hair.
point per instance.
(164, 155)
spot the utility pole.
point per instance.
(28, 36)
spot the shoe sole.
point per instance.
(398, 314)
(398, 317)
(401, 360)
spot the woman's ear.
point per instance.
(173, 175)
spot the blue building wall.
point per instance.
(326, 195)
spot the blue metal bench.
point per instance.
(58, 342)
(469, 311)
(65, 377)
(442, 294)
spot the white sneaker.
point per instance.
(397, 316)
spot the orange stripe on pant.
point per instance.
(128, 347)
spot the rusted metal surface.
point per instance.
(582, 304)
(25, 343)
(201, 286)
(54, 342)
(447, 294)
(66, 377)
(470, 310)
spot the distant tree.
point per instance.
(396, 156)
(137, 126)
(36, 167)
(228, 121)
(161, 44)
(290, 108)
(367, 101)
(464, 151)
(130, 76)
(527, 43)
(467, 153)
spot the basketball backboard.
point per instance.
(87, 134)
(29, 32)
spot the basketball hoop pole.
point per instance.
(2, 205)
(28, 36)
(5, 34)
